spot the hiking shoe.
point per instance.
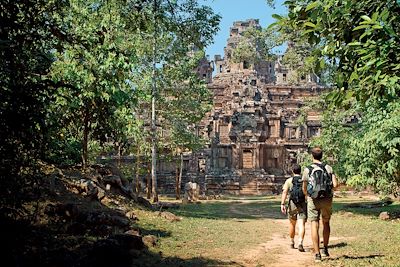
(292, 245)
(325, 252)
(317, 258)
(301, 249)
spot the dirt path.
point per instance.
(277, 252)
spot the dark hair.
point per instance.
(317, 153)
(296, 169)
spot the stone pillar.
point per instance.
(235, 157)
(229, 156)
(298, 132)
(240, 157)
(216, 126)
(256, 156)
(278, 128)
(261, 156)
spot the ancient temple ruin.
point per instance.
(254, 130)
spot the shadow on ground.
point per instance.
(366, 208)
(338, 245)
(353, 257)
(28, 246)
(242, 210)
(65, 229)
(152, 259)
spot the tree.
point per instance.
(184, 100)
(96, 61)
(26, 39)
(255, 45)
(175, 28)
(358, 42)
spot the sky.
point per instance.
(233, 10)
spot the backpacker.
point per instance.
(319, 182)
(296, 193)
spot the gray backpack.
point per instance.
(319, 182)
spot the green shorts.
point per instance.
(319, 207)
(298, 211)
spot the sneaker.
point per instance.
(301, 249)
(317, 258)
(325, 252)
(292, 245)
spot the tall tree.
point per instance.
(175, 28)
(96, 61)
(184, 101)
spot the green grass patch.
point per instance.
(365, 239)
(214, 230)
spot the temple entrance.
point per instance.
(248, 159)
(273, 160)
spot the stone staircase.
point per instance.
(250, 188)
(254, 182)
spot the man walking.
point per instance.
(297, 207)
(318, 184)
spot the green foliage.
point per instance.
(182, 99)
(63, 150)
(256, 45)
(363, 145)
(97, 66)
(25, 41)
(357, 43)
(376, 160)
(75, 76)
(109, 71)
(24, 58)
(358, 40)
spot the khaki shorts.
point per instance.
(297, 211)
(319, 207)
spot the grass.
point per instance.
(218, 233)
(214, 230)
(367, 240)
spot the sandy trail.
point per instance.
(277, 252)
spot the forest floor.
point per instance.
(65, 227)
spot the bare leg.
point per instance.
(315, 235)
(301, 225)
(292, 231)
(326, 233)
(292, 228)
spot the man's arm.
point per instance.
(334, 181)
(305, 180)
(283, 199)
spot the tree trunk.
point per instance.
(86, 129)
(177, 183)
(137, 187)
(148, 189)
(180, 175)
(153, 113)
(120, 148)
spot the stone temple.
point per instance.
(253, 131)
